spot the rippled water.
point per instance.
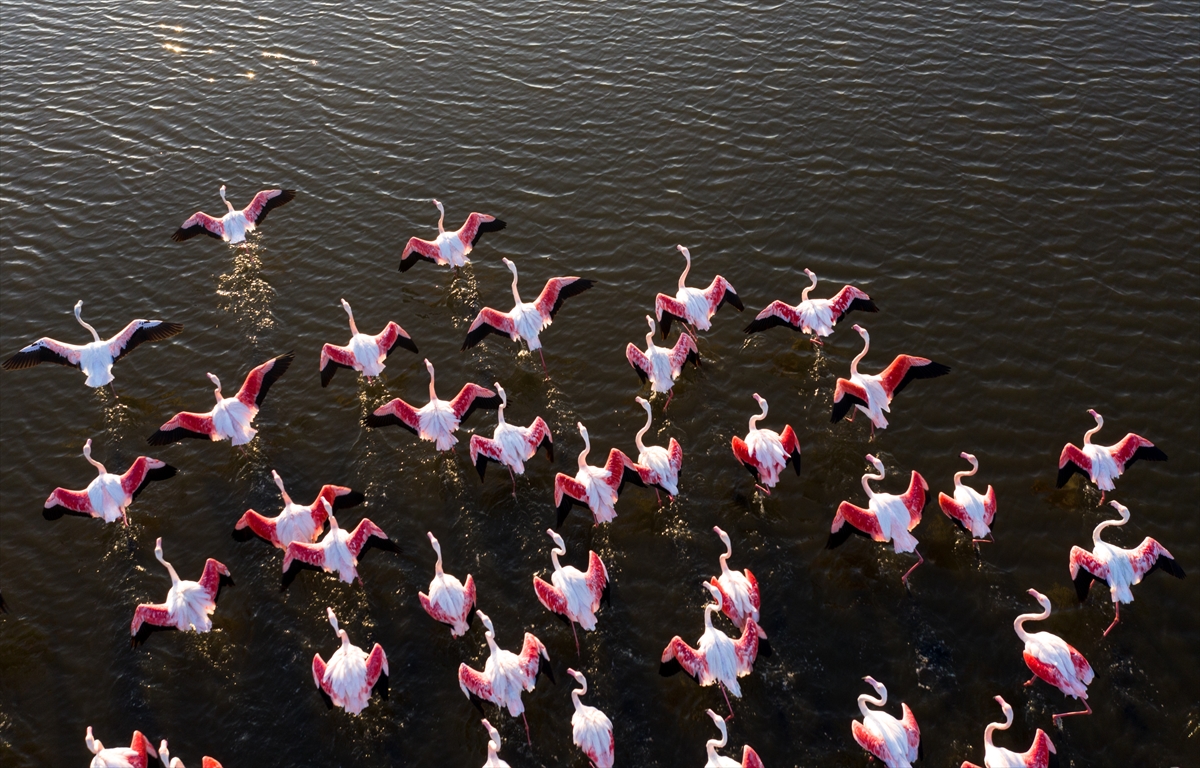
(1015, 184)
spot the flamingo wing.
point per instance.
(596, 578)
(263, 527)
(915, 498)
(622, 469)
(668, 309)
(143, 747)
(142, 472)
(393, 336)
(139, 332)
(955, 511)
(675, 455)
(531, 651)
(911, 730)
(182, 426)
(483, 450)
(791, 446)
(416, 249)
(568, 491)
(558, 290)
(719, 293)
(848, 300)
(210, 577)
(539, 437)
(776, 313)
(265, 202)
(1083, 670)
(639, 361)
(363, 531)
(476, 226)
(1135, 448)
(473, 396)
(313, 554)
(472, 682)
(489, 321)
(339, 497)
(746, 647)
(76, 501)
(1150, 556)
(684, 351)
(259, 380)
(199, 223)
(750, 758)
(1086, 568)
(862, 519)
(44, 350)
(395, 413)
(1038, 754)
(869, 740)
(906, 368)
(1072, 461)
(318, 670)
(334, 357)
(741, 452)
(689, 658)
(989, 505)
(150, 613)
(846, 395)
(377, 665)
(550, 596)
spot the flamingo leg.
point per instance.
(722, 686)
(528, 740)
(816, 340)
(1098, 505)
(573, 632)
(764, 490)
(1030, 681)
(545, 370)
(669, 396)
(1057, 718)
(113, 389)
(658, 496)
(904, 578)
(514, 481)
(1115, 620)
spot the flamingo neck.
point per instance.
(587, 447)
(95, 336)
(516, 296)
(170, 569)
(805, 292)
(757, 418)
(993, 727)
(866, 483)
(1105, 524)
(500, 413)
(575, 694)
(345, 637)
(493, 649)
(353, 327)
(859, 356)
(724, 559)
(708, 612)
(958, 476)
(866, 699)
(87, 454)
(554, 554)
(437, 567)
(714, 744)
(1024, 617)
(441, 219)
(1087, 436)
(432, 391)
(687, 267)
(637, 439)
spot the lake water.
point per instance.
(1016, 185)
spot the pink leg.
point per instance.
(528, 740)
(816, 340)
(722, 686)
(1098, 505)
(658, 496)
(514, 481)
(1115, 620)
(764, 490)
(573, 632)
(1088, 711)
(1031, 681)
(904, 578)
(669, 396)
(545, 370)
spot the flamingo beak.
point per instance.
(1093, 414)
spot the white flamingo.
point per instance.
(596, 488)
(970, 508)
(189, 603)
(448, 601)
(494, 745)
(694, 306)
(661, 366)
(363, 353)
(164, 754)
(657, 466)
(437, 420)
(740, 598)
(336, 553)
(351, 672)
(888, 517)
(298, 522)
(1104, 463)
(1054, 660)
(120, 757)
(235, 224)
(750, 758)
(108, 496)
(895, 741)
(815, 317)
(765, 452)
(450, 248)
(511, 445)
(872, 393)
(571, 592)
(505, 674)
(1037, 756)
(591, 730)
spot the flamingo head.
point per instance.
(79, 309)
(1122, 510)
(278, 481)
(879, 687)
(503, 395)
(1006, 708)
(875, 463)
(642, 402)
(862, 332)
(93, 744)
(490, 632)
(811, 275)
(222, 191)
(216, 382)
(493, 738)
(439, 206)
(716, 593)
(579, 678)
(1045, 601)
(1091, 411)
(583, 432)
(724, 536)
(511, 267)
(164, 754)
(971, 458)
(650, 322)
(762, 402)
(720, 723)
(346, 306)
(87, 449)
(334, 623)
(686, 253)
(333, 523)
(158, 550)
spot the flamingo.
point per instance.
(897, 743)
(692, 305)
(717, 657)
(450, 248)
(437, 420)
(448, 600)
(189, 603)
(351, 672)
(888, 517)
(108, 496)
(505, 674)
(571, 592)
(750, 758)
(815, 317)
(1118, 568)
(364, 353)
(511, 445)
(596, 488)
(494, 760)
(298, 522)
(233, 226)
(96, 358)
(662, 365)
(164, 754)
(527, 319)
(338, 551)
(764, 452)
(657, 466)
(1104, 463)
(1037, 756)
(231, 418)
(740, 599)
(591, 730)
(872, 394)
(120, 757)
(970, 508)
(1053, 660)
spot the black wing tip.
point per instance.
(1083, 584)
(763, 323)
(1065, 472)
(548, 444)
(348, 500)
(481, 465)
(731, 297)
(862, 305)
(933, 370)
(405, 342)
(1150, 453)
(179, 235)
(796, 465)
(1169, 565)
(842, 407)
(495, 225)
(161, 438)
(285, 196)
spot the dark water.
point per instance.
(1015, 184)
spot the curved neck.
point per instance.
(1087, 436)
(170, 569)
(725, 557)
(493, 649)
(758, 417)
(866, 483)
(95, 336)
(437, 567)
(587, 447)
(993, 727)
(958, 476)
(432, 391)
(554, 553)
(345, 638)
(708, 612)
(714, 744)
(866, 699)
(686, 268)
(860, 355)
(282, 492)
(441, 219)
(1024, 617)
(516, 296)
(500, 412)
(575, 694)
(87, 454)
(805, 292)
(637, 439)
(1096, 533)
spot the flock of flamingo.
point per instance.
(351, 673)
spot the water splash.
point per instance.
(246, 294)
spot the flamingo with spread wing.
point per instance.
(235, 224)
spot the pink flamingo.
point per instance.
(494, 745)
(231, 418)
(448, 600)
(120, 757)
(450, 248)
(969, 508)
(896, 743)
(596, 488)
(527, 319)
(872, 393)
(108, 496)
(505, 674)
(298, 522)
(511, 445)
(164, 754)
(351, 672)
(437, 420)
(97, 357)
(1053, 660)
(571, 592)
(364, 353)
(1118, 568)
(235, 224)
(740, 598)
(815, 317)
(189, 603)
(694, 306)
(338, 551)
(764, 452)
(888, 517)
(591, 730)
(657, 466)
(1037, 756)
(1104, 463)
(750, 758)
(662, 365)
(717, 658)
